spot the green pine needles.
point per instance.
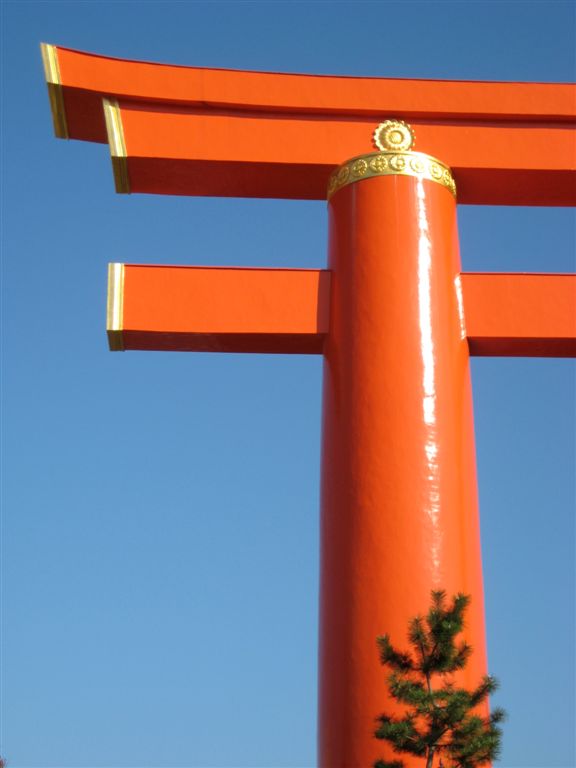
(441, 723)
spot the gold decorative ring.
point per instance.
(394, 163)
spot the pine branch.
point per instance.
(463, 653)
(393, 658)
(406, 691)
(497, 716)
(401, 733)
(485, 689)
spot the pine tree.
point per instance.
(441, 723)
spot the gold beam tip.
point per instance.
(117, 144)
(55, 91)
(50, 61)
(115, 307)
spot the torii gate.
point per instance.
(393, 316)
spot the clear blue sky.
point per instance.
(160, 511)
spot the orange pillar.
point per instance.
(399, 497)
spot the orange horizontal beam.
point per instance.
(217, 309)
(86, 77)
(520, 315)
(192, 153)
(280, 135)
(211, 309)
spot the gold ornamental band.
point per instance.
(391, 164)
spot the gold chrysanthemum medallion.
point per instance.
(394, 136)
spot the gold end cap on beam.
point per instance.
(117, 144)
(55, 92)
(394, 139)
(115, 307)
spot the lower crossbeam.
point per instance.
(212, 309)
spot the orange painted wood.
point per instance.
(88, 76)
(174, 151)
(285, 310)
(399, 501)
(280, 135)
(515, 315)
(225, 310)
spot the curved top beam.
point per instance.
(86, 77)
(507, 143)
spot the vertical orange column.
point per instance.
(399, 498)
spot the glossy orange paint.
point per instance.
(225, 310)
(176, 151)
(93, 75)
(287, 311)
(281, 135)
(399, 498)
(528, 315)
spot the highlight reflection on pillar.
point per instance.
(428, 379)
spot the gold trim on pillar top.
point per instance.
(117, 144)
(394, 138)
(115, 307)
(55, 92)
(391, 164)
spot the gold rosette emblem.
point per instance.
(394, 136)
